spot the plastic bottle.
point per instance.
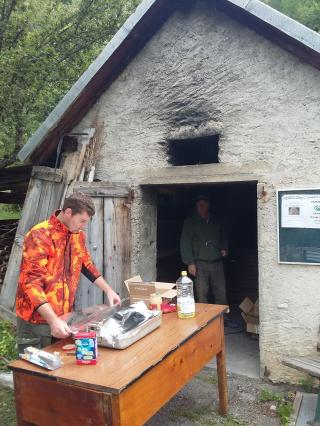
(185, 298)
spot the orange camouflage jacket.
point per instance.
(52, 261)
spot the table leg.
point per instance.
(222, 383)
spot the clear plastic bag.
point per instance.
(116, 326)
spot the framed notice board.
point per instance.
(298, 212)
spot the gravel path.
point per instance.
(196, 403)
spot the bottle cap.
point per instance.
(183, 273)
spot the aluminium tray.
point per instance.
(126, 339)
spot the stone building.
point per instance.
(220, 96)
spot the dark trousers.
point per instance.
(210, 275)
(36, 335)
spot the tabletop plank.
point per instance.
(116, 369)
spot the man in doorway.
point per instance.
(54, 255)
(203, 245)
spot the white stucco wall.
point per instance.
(204, 67)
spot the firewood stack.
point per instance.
(8, 230)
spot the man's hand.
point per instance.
(113, 297)
(59, 328)
(192, 269)
(224, 253)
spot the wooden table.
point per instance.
(126, 387)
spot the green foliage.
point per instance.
(284, 411)
(7, 407)
(233, 421)
(227, 421)
(9, 211)
(267, 395)
(307, 383)
(8, 350)
(284, 408)
(307, 11)
(45, 46)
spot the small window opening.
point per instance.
(185, 152)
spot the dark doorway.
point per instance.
(235, 205)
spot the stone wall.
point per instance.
(204, 69)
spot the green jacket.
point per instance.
(201, 240)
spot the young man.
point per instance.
(54, 255)
(203, 245)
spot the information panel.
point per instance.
(299, 226)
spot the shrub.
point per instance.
(8, 350)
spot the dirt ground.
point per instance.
(197, 403)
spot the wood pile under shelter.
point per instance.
(8, 230)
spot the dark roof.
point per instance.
(130, 39)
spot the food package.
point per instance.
(42, 358)
(86, 348)
(117, 326)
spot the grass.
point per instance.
(212, 380)
(8, 211)
(7, 407)
(200, 415)
(266, 395)
(8, 350)
(307, 383)
(284, 408)
(192, 414)
(285, 411)
(228, 421)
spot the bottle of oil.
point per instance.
(185, 298)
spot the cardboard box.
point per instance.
(250, 314)
(141, 290)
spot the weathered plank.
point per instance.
(47, 173)
(102, 189)
(305, 364)
(87, 293)
(7, 315)
(43, 196)
(117, 240)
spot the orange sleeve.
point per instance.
(89, 269)
(33, 268)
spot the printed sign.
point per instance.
(300, 211)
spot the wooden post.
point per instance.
(222, 377)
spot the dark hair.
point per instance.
(202, 197)
(79, 202)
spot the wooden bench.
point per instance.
(312, 367)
